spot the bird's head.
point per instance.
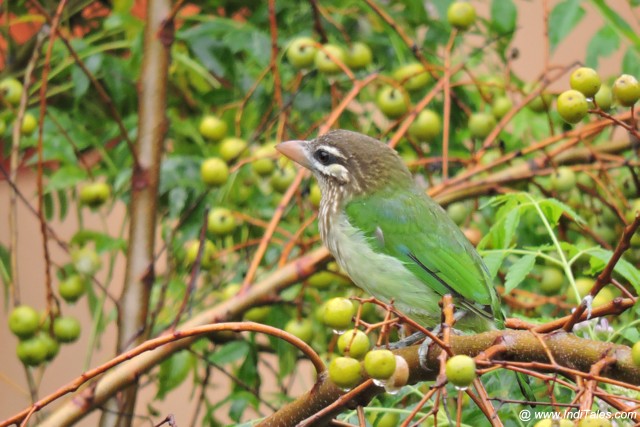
(348, 162)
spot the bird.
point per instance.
(391, 238)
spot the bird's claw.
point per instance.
(407, 341)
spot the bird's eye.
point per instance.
(324, 157)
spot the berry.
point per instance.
(264, 165)
(214, 172)
(354, 343)
(221, 222)
(24, 321)
(32, 351)
(345, 372)
(427, 126)
(11, 90)
(29, 124)
(337, 313)
(53, 347)
(461, 15)
(315, 195)
(393, 102)
(388, 419)
(66, 329)
(302, 52)
(208, 253)
(257, 314)
(326, 58)
(412, 76)
(554, 423)
(460, 370)
(594, 421)
(400, 375)
(481, 124)
(282, 178)
(359, 56)
(231, 148)
(563, 179)
(86, 260)
(604, 97)
(302, 329)
(3, 126)
(626, 89)
(501, 106)
(540, 103)
(72, 288)
(213, 128)
(380, 364)
(585, 80)
(635, 353)
(572, 106)
(94, 194)
(551, 281)
(322, 279)
(605, 296)
(459, 212)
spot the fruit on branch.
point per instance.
(572, 106)
(380, 364)
(264, 164)
(24, 321)
(212, 127)
(501, 106)
(585, 80)
(94, 194)
(427, 126)
(86, 260)
(302, 52)
(359, 56)
(214, 172)
(626, 89)
(354, 343)
(540, 103)
(29, 124)
(32, 351)
(301, 328)
(231, 148)
(460, 370)
(221, 222)
(604, 97)
(412, 76)
(635, 353)
(11, 90)
(53, 347)
(66, 329)
(594, 421)
(549, 422)
(315, 195)
(392, 101)
(345, 372)
(208, 253)
(388, 419)
(325, 58)
(551, 280)
(461, 15)
(257, 314)
(72, 288)
(281, 178)
(481, 124)
(337, 313)
(563, 179)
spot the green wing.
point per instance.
(413, 228)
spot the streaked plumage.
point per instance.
(392, 239)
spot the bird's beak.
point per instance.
(295, 151)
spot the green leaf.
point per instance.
(615, 21)
(605, 42)
(562, 19)
(63, 201)
(493, 260)
(558, 206)
(65, 177)
(230, 352)
(102, 241)
(631, 62)
(599, 259)
(518, 271)
(504, 16)
(47, 202)
(173, 372)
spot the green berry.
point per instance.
(257, 314)
(400, 375)
(380, 364)
(563, 179)
(337, 313)
(427, 126)
(594, 422)
(551, 281)
(221, 222)
(24, 321)
(301, 328)
(604, 97)
(605, 296)
(635, 354)
(29, 124)
(208, 253)
(86, 260)
(481, 124)
(626, 89)
(66, 329)
(460, 370)
(282, 178)
(213, 128)
(345, 372)
(412, 76)
(585, 80)
(214, 172)
(53, 347)
(572, 106)
(302, 52)
(72, 288)
(393, 102)
(32, 351)
(554, 423)
(388, 419)
(501, 106)
(264, 164)
(459, 212)
(94, 194)
(11, 90)
(231, 148)
(359, 55)
(322, 279)
(315, 195)
(461, 15)
(325, 58)
(540, 103)
(354, 343)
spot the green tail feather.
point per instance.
(525, 387)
